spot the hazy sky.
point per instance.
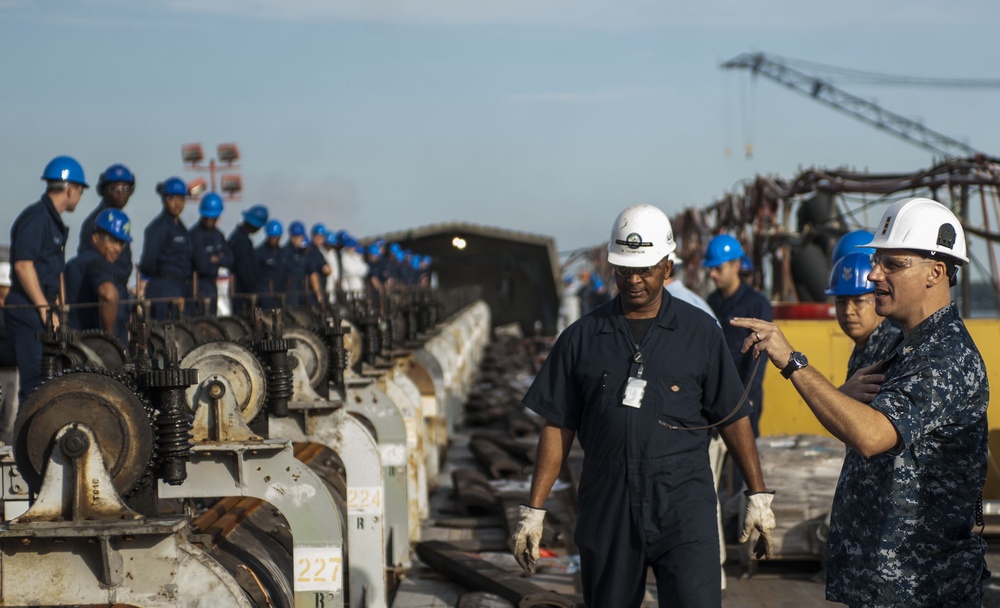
(537, 115)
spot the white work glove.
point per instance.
(760, 516)
(527, 536)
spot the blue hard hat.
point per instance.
(210, 205)
(115, 173)
(318, 228)
(256, 216)
(296, 228)
(346, 239)
(64, 169)
(172, 186)
(722, 248)
(115, 223)
(849, 243)
(426, 260)
(359, 249)
(398, 255)
(273, 228)
(373, 249)
(746, 264)
(849, 276)
(331, 239)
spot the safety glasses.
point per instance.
(891, 264)
(627, 271)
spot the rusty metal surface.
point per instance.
(238, 365)
(117, 417)
(479, 575)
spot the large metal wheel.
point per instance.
(235, 327)
(310, 351)
(353, 344)
(207, 329)
(118, 417)
(238, 366)
(108, 348)
(184, 339)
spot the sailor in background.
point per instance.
(166, 252)
(209, 252)
(38, 258)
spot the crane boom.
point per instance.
(862, 109)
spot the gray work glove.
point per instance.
(760, 516)
(528, 535)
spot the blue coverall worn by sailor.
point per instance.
(166, 261)
(209, 252)
(39, 235)
(271, 274)
(122, 267)
(84, 275)
(244, 268)
(901, 527)
(646, 495)
(746, 302)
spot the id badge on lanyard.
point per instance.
(635, 388)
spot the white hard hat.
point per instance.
(4, 274)
(676, 259)
(641, 236)
(921, 224)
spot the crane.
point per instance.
(862, 109)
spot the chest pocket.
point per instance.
(678, 400)
(601, 393)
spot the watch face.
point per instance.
(799, 359)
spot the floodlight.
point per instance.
(191, 153)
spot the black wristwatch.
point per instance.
(796, 362)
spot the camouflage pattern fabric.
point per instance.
(877, 348)
(901, 530)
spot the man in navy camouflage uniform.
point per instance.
(902, 524)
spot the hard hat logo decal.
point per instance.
(885, 227)
(848, 273)
(634, 241)
(946, 236)
(65, 174)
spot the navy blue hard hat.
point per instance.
(115, 173)
(256, 216)
(173, 186)
(115, 223)
(296, 228)
(273, 228)
(210, 205)
(721, 249)
(849, 276)
(64, 169)
(849, 244)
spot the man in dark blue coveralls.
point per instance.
(115, 187)
(271, 274)
(91, 277)
(38, 257)
(734, 298)
(244, 268)
(640, 380)
(209, 251)
(166, 251)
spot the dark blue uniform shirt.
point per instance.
(205, 244)
(295, 274)
(39, 235)
(645, 489)
(123, 265)
(271, 274)
(746, 302)
(84, 274)
(244, 263)
(166, 249)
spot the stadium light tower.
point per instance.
(231, 184)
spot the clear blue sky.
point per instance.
(536, 115)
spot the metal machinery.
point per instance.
(226, 465)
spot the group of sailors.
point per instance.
(179, 267)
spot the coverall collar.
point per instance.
(611, 317)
